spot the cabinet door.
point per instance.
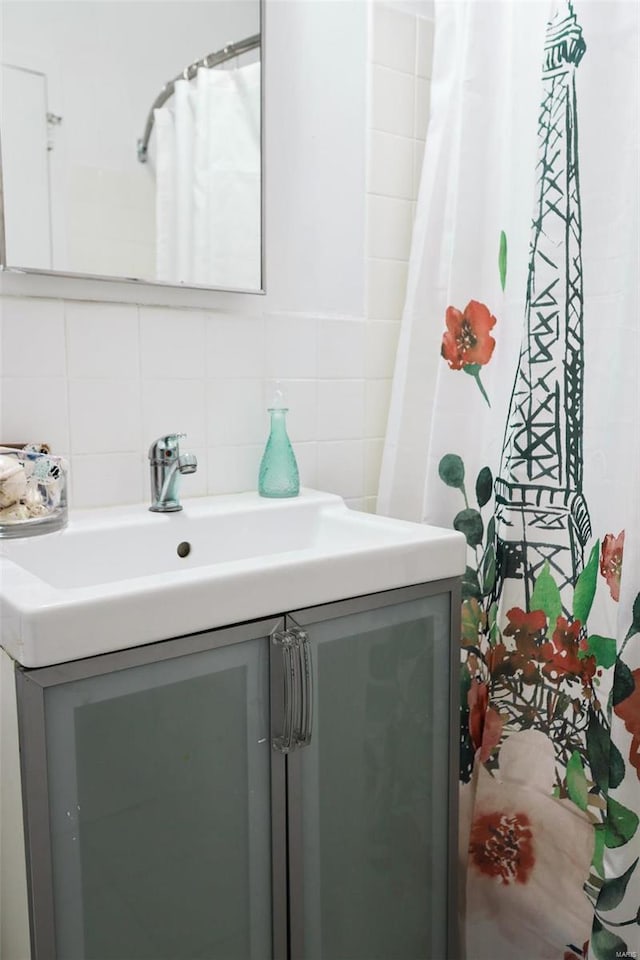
(147, 778)
(370, 795)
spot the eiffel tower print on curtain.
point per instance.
(541, 514)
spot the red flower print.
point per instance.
(501, 845)
(527, 852)
(467, 339)
(478, 701)
(492, 733)
(565, 662)
(532, 648)
(466, 343)
(629, 712)
(485, 723)
(611, 562)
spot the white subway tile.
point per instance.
(392, 101)
(340, 409)
(173, 406)
(340, 467)
(247, 467)
(390, 165)
(382, 342)
(386, 289)
(394, 38)
(102, 340)
(372, 462)
(301, 398)
(102, 480)
(421, 116)
(376, 412)
(105, 417)
(290, 346)
(172, 343)
(235, 412)
(340, 348)
(234, 347)
(33, 341)
(233, 469)
(221, 470)
(389, 228)
(424, 47)
(34, 409)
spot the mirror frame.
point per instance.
(159, 285)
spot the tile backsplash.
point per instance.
(100, 382)
(400, 65)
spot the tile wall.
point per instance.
(401, 56)
(100, 381)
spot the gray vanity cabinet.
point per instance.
(284, 788)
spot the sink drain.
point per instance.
(184, 549)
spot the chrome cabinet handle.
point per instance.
(303, 736)
(288, 643)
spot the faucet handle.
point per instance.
(166, 447)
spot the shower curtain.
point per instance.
(208, 209)
(515, 418)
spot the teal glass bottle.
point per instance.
(278, 475)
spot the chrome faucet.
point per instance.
(166, 464)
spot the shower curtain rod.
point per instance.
(211, 60)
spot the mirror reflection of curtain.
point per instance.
(208, 180)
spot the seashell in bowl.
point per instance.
(14, 513)
(13, 481)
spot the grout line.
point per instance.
(65, 328)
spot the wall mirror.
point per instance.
(130, 140)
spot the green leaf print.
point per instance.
(577, 782)
(612, 891)
(586, 586)
(598, 743)
(494, 633)
(473, 369)
(623, 682)
(635, 624)
(489, 571)
(607, 945)
(470, 585)
(484, 486)
(451, 470)
(502, 259)
(598, 851)
(470, 523)
(602, 648)
(491, 531)
(546, 596)
(621, 825)
(616, 766)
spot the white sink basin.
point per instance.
(113, 578)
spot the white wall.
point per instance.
(99, 370)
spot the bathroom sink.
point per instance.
(122, 576)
